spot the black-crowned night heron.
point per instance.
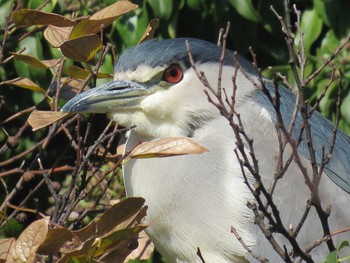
(194, 200)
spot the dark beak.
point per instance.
(114, 96)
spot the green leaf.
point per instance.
(246, 9)
(4, 11)
(161, 8)
(311, 26)
(194, 4)
(11, 229)
(334, 15)
(131, 26)
(328, 45)
(33, 47)
(343, 244)
(332, 257)
(34, 4)
(320, 8)
(344, 108)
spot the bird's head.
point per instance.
(156, 89)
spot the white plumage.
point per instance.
(195, 200)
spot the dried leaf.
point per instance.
(82, 48)
(30, 17)
(70, 87)
(80, 250)
(101, 151)
(56, 36)
(33, 61)
(109, 242)
(111, 218)
(115, 10)
(50, 63)
(150, 30)
(80, 73)
(78, 259)
(144, 249)
(23, 83)
(30, 60)
(167, 147)
(6, 250)
(54, 240)
(40, 119)
(103, 17)
(86, 232)
(3, 215)
(118, 213)
(29, 241)
(121, 149)
(22, 209)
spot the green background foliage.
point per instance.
(325, 25)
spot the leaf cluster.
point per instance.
(52, 50)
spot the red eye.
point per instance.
(173, 73)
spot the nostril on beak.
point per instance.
(119, 88)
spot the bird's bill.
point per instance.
(109, 97)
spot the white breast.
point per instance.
(193, 200)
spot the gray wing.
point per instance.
(338, 169)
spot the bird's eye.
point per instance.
(173, 73)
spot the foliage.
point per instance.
(51, 51)
(109, 235)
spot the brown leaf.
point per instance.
(56, 36)
(104, 17)
(70, 87)
(50, 63)
(118, 213)
(30, 17)
(150, 30)
(83, 48)
(6, 249)
(40, 119)
(3, 215)
(80, 73)
(167, 147)
(33, 61)
(111, 218)
(80, 250)
(86, 232)
(144, 249)
(30, 239)
(54, 240)
(121, 149)
(111, 241)
(24, 83)
(115, 10)
(30, 60)
(102, 151)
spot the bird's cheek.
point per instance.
(158, 106)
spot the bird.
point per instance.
(195, 200)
